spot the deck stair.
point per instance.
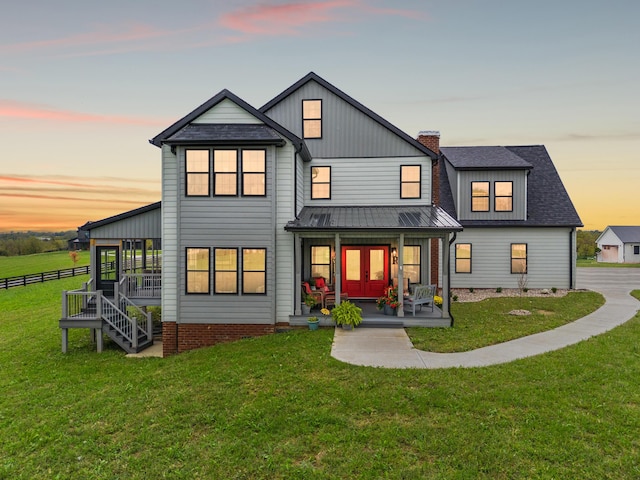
(122, 321)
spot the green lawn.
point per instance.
(581, 262)
(39, 262)
(478, 324)
(280, 407)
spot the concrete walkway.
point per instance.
(391, 348)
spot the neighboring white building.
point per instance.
(619, 244)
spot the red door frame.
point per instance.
(365, 287)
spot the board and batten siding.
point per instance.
(141, 226)
(368, 181)
(226, 112)
(519, 179)
(170, 220)
(549, 259)
(346, 131)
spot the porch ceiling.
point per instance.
(385, 218)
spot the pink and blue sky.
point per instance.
(84, 85)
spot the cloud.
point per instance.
(73, 181)
(66, 198)
(15, 109)
(291, 19)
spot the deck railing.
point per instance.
(146, 285)
(81, 304)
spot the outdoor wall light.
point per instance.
(394, 255)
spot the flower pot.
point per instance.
(313, 325)
(388, 310)
(347, 327)
(306, 309)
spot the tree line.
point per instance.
(28, 243)
(586, 243)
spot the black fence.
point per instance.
(24, 280)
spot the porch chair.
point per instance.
(422, 295)
(330, 299)
(318, 295)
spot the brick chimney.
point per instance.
(431, 140)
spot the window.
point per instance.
(225, 172)
(253, 172)
(312, 118)
(197, 169)
(321, 262)
(463, 258)
(411, 261)
(254, 271)
(225, 270)
(479, 196)
(410, 181)
(519, 258)
(503, 192)
(636, 249)
(198, 270)
(320, 182)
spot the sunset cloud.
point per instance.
(289, 18)
(32, 111)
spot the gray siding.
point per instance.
(346, 131)
(226, 112)
(464, 179)
(368, 181)
(548, 251)
(170, 250)
(453, 183)
(144, 225)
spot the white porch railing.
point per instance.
(141, 285)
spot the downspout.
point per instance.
(453, 239)
(571, 262)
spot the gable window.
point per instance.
(320, 182)
(197, 173)
(410, 181)
(225, 270)
(253, 172)
(198, 270)
(503, 192)
(411, 262)
(479, 196)
(225, 172)
(321, 261)
(312, 118)
(463, 258)
(519, 258)
(254, 271)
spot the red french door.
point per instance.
(365, 270)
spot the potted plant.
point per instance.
(347, 314)
(308, 304)
(313, 323)
(389, 302)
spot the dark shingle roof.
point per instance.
(548, 203)
(311, 76)
(225, 133)
(162, 137)
(627, 234)
(414, 218)
(476, 158)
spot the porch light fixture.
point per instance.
(394, 255)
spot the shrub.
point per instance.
(499, 290)
(347, 314)
(554, 289)
(471, 290)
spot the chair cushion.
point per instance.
(320, 282)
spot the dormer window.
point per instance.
(479, 196)
(503, 201)
(312, 118)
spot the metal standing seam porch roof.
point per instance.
(389, 218)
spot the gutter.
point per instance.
(453, 239)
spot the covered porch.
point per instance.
(362, 251)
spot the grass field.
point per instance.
(40, 262)
(592, 263)
(280, 407)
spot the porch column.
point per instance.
(400, 310)
(445, 275)
(338, 271)
(297, 266)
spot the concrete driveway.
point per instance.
(391, 348)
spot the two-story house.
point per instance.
(258, 201)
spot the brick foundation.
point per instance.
(178, 338)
